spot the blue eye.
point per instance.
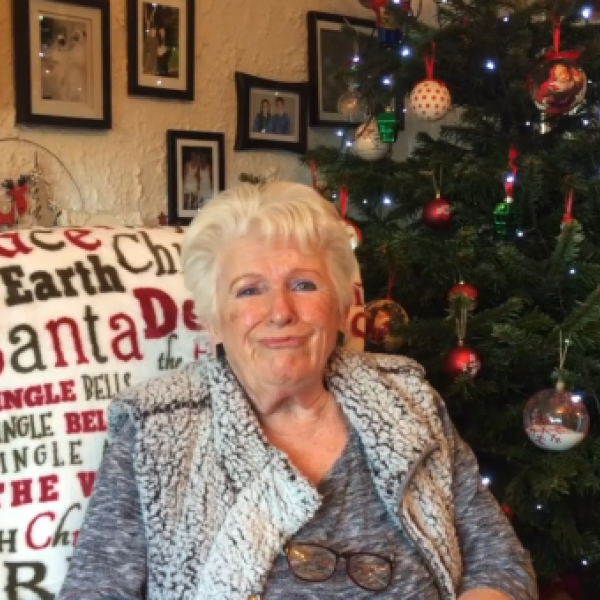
(251, 290)
(303, 285)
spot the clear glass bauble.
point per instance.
(351, 105)
(556, 419)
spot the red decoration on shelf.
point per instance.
(18, 204)
(437, 213)
(462, 360)
(162, 219)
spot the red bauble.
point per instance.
(437, 213)
(462, 360)
(507, 511)
(463, 289)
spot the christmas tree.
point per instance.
(483, 246)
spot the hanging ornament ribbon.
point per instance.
(436, 187)
(567, 218)
(353, 231)
(461, 326)
(556, 53)
(509, 182)
(390, 284)
(430, 61)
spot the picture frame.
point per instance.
(160, 49)
(195, 172)
(271, 115)
(62, 63)
(329, 49)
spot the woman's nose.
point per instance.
(282, 309)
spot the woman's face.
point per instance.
(278, 315)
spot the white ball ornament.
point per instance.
(430, 100)
(367, 144)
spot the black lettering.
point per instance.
(44, 286)
(10, 539)
(32, 346)
(106, 275)
(86, 279)
(74, 458)
(10, 278)
(90, 319)
(122, 257)
(33, 238)
(65, 276)
(13, 583)
(159, 252)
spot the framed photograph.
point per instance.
(329, 50)
(62, 63)
(160, 49)
(271, 115)
(196, 172)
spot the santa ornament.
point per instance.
(557, 84)
(430, 99)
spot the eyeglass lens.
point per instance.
(316, 563)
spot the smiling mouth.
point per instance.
(283, 342)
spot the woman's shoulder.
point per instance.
(181, 390)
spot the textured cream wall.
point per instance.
(123, 171)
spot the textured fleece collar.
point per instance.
(395, 427)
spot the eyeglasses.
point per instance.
(316, 563)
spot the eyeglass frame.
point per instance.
(345, 555)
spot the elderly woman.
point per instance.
(283, 466)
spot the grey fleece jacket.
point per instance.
(218, 502)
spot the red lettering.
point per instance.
(52, 327)
(66, 391)
(72, 423)
(129, 334)
(29, 532)
(38, 395)
(86, 481)
(149, 298)
(76, 237)
(1, 362)
(190, 320)
(21, 492)
(18, 247)
(198, 352)
(47, 491)
(359, 299)
(87, 421)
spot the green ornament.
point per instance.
(387, 124)
(505, 218)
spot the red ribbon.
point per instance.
(556, 34)
(429, 61)
(343, 201)
(313, 174)
(509, 186)
(567, 218)
(390, 285)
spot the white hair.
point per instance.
(278, 210)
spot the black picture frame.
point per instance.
(62, 69)
(329, 49)
(252, 92)
(156, 33)
(184, 174)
